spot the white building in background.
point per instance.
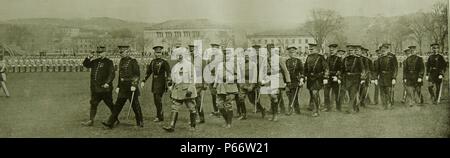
(171, 32)
(281, 39)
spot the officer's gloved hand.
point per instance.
(372, 81)
(325, 81)
(404, 81)
(393, 81)
(376, 82)
(117, 90)
(335, 79)
(133, 88)
(426, 78)
(362, 81)
(339, 81)
(105, 85)
(440, 77)
(142, 84)
(419, 80)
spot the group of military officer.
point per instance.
(346, 74)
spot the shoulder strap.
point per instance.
(315, 63)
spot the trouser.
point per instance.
(386, 96)
(96, 98)
(4, 88)
(434, 89)
(120, 102)
(376, 94)
(198, 104)
(225, 104)
(412, 95)
(157, 98)
(281, 102)
(275, 102)
(293, 98)
(240, 103)
(363, 94)
(254, 99)
(213, 97)
(176, 104)
(314, 100)
(332, 88)
(352, 93)
(42, 68)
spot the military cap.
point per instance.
(406, 50)
(350, 46)
(101, 49)
(291, 46)
(123, 46)
(412, 47)
(333, 45)
(191, 45)
(385, 45)
(215, 42)
(311, 45)
(256, 46)
(434, 44)
(340, 50)
(158, 46)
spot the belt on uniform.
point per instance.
(385, 72)
(351, 73)
(125, 79)
(315, 74)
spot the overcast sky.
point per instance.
(222, 10)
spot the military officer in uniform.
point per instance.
(199, 86)
(333, 86)
(374, 75)
(127, 88)
(210, 58)
(386, 67)
(352, 71)
(183, 91)
(413, 72)
(295, 69)
(368, 65)
(280, 104)
(249, 70)
(102, 76)
(316, 71)
(435, 69)
(160, 69)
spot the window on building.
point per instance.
(196, 33)
(293, 41)
(168, 34)
(259, 41)
(159, 34)
(177, 34)
(299, 41)
(271, 41)
(265, 41)
(306, 41)
(186, 34)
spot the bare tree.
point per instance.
(323, 23)
(417, 25)
(437, 23)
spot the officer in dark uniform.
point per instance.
(281, 106)
(436, 66)
(333, 86)
(295, 68)
(413, 72)
(102, 76)
(160, 69)
(127, 88)
(374, 75)
(254, 95)
(352, 72)
(316, 71)
(368, 65)
(386, 67)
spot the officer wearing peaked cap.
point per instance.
(127, 88)
(352, 72)
(413, 72)
(386, 67)
(316, 71)
(102, 76)
(334, 78)
(160, 69)
(435, 69)
(295, 69)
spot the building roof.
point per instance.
(187, 24)
(279, 33)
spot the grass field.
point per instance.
(54, 105)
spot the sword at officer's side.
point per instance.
(131, 104)
(201, 101)
(295, 96)
(440, 92)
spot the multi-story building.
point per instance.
(281, 39)
(184, 32)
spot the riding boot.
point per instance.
(192, 117)
(173, 121)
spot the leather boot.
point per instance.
(192, 117)
(139, 119)
(173, 121)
